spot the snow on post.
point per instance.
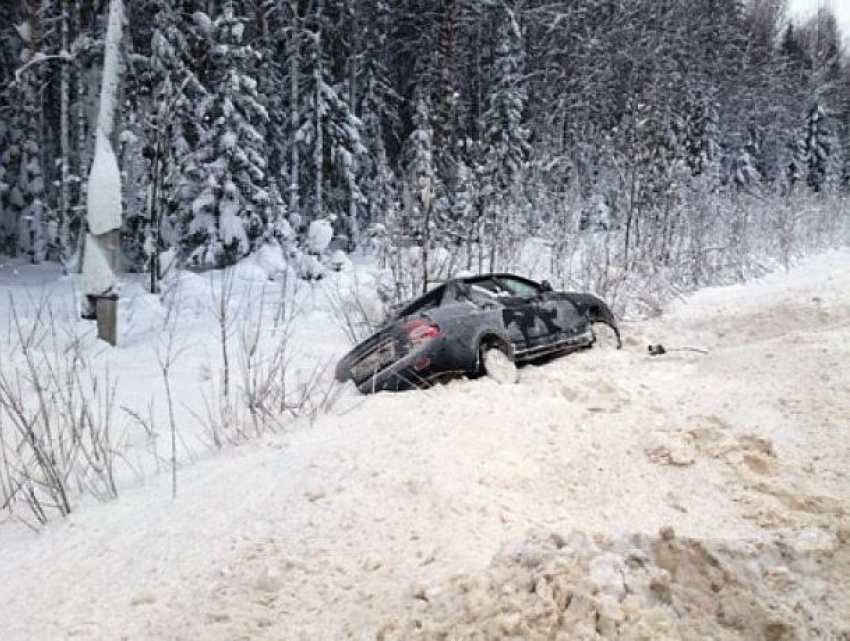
(104, 185)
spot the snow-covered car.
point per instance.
(473, 326)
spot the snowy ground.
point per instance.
(383, 519)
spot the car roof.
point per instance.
(480, 277)
(438, 291)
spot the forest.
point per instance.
(692, 136)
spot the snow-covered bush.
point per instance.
(310, 267)
(319, 236)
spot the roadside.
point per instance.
(357, 524)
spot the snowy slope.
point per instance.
(358, 523)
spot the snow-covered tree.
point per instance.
(506, 147)
(376, 177)
(173, 128)
(28, 186)
(795, 165)
(420, 185)
(229, 214)
(745, 173)
(104, 185)
(701, 137)
(329, 137)
(532, 110)
(818, 148)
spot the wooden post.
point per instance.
(107, 318)
(106, 307)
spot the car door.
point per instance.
(539, 317)
(521, 314)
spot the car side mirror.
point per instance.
(546, 286)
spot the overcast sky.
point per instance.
(841, 8)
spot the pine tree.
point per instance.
(745, 173)
(506, 147)
(818, 149)
(701, 144)
(229, 215)
(28, 186)
(6, 226)
(795, 167)
(420, 185)
(272, 43)
(172, 129)
(330, 140)
(377, 178)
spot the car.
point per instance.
(473, 326)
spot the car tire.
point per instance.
(604, 337)
(499, 366)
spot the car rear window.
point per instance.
(428, 301)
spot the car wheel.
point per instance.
(499, 366)
(605, 337)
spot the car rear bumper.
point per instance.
(420, 368)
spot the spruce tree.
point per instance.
(420, 187)
(818, 149)
(506, 147)
(228, 217)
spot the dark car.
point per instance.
(474, 326)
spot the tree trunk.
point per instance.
(445, 106)
(426, 241)
(81, 151)
(319, 142)
(65, 140)
(353, 225)
(34, 130)
(104, 191)
(294, 111)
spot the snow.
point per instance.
(476, 508)
(319, 235)
(98, 277)
(340, 261)
(203, 203)
(104, 189)
(271, 259)
(111, 70)
(231, 225)
(204, 23)
(23, 31)
(104, 205)
(229, 140)
(310, 268)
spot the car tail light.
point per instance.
(421, 331)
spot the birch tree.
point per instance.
(104, 191)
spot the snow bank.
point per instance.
(641, 587)
(391, 510)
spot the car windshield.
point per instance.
(490, 286)
(519, 287)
